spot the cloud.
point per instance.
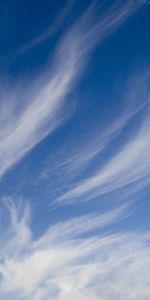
(82, 257)
(52, 29)
(128, 167)
(31, 111)
(64, 263)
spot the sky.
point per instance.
(74, 150)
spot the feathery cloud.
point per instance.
(29, 113)
(63, 263)
(129, 166)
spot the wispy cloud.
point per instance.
(52, 29)
(64, 264)
(129, 166)
(84, 256)
(29, 113)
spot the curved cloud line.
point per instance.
(130, 166)
(33, 112)
(50, 30)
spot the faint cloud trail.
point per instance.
(129, 168)
(34, 111)
(51, 29)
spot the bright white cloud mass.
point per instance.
(74, 151)
(62, 264)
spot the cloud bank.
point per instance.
(63, 263)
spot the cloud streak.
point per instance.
(29, 113)
(56, 26)
(127, 168)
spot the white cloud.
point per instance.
(61, 264)
(74, 259)
(32, 111)
(131, 164)
(52, 29)
(27, 116)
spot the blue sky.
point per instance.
(74, 150)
